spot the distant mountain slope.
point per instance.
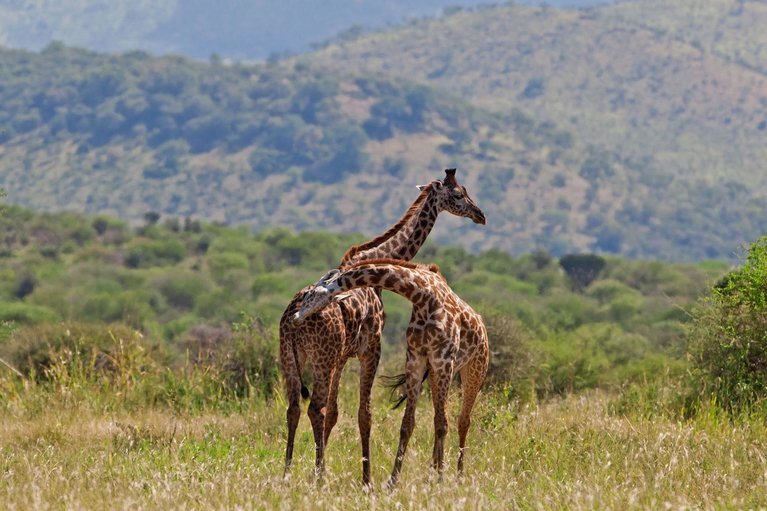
(264, 145)
(296, 145)
(251, 29)
(675, 83)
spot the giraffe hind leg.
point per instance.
(416, 366)
(472, 376)
(368, 366)
(316, 411)
(439, 379)
(291, 368)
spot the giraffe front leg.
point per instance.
(415, 369)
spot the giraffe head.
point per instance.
(319, 296)
(453, 198)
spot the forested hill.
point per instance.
(294, 144)
(679, 85)
(677, 89)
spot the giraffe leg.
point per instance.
(415, 369)
(439, 379)
(368, 367)
(317, 407)
(331, 412)
(291, 370)
(472, 376)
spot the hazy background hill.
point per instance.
(251, 29)
(635, 128)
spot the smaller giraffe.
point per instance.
(445, 335)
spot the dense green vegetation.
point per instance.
(729, 339)
(182, 284)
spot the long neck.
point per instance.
(407, 282)
(405, 238)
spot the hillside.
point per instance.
(262, 145)
(292, 144)
(675, 84)
(196, 28)
(676, 90)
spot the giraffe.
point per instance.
(352, 326)
(445, 335)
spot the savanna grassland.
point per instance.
(570, 453)
(134, 391)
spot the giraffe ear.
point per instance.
(421, 187)
(331, 275)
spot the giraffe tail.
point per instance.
(304, 389)
(395, 382)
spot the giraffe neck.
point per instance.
(405, 238)
(407, 281)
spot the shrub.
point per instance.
(243, 360)
(728, 336)
(511, 360)
(155, 253)
(23, 313)
(45, 351)
(224, 262)
(181, 290)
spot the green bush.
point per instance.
(242, 360)
(27, 314)
(146, 254)
(182, 290)
(728, 337)
(511, 360)
(224, 262)
(51, 350)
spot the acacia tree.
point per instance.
(582, 268)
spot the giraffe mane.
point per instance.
(432, 267)
(412, 210)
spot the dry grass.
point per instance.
(569, 454)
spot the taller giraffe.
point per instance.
(445, 335)
(352, 326)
